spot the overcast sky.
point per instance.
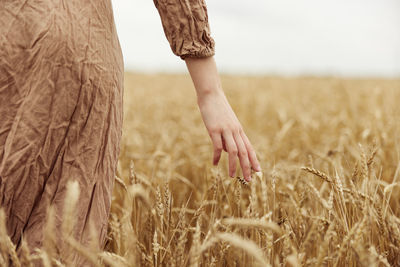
(286, 37)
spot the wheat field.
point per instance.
(329, 193)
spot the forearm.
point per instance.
(204, 74)
(221, 122)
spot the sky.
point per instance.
(278, 37)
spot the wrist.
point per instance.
(209, 92)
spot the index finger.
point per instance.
(217, 143)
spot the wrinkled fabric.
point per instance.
(61, 87)
(185, 24)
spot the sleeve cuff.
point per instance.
(206, 52)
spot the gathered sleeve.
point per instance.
(185, 24)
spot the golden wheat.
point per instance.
(171, 207)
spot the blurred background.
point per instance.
(356, 38)
(315, 84)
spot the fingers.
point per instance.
(252, 154)
(232, 152)
(218, 146)
(238, 145)
(243, 157)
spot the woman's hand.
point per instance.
(220, 120)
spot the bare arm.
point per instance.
(186, 27)
(220, 120)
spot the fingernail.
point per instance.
(258, 168)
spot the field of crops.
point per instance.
(329, 194)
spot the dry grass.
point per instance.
(329, 194)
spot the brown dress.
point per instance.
(61, 86)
